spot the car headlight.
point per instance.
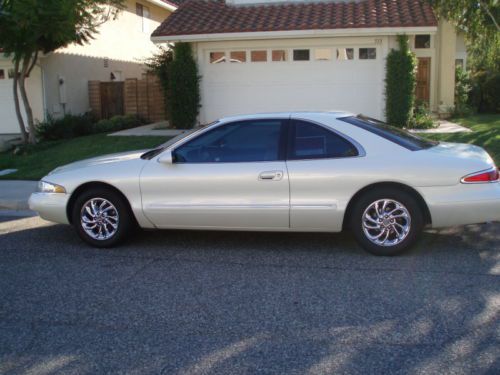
(48, 187)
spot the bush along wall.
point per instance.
(71, 126)
(184, 80)
(400, 84)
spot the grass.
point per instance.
(485, 133)
(40, 159)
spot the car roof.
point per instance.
(302, 114)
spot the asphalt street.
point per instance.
(179, 302)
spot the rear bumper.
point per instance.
(50, 206)
(462, 204)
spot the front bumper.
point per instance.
(462, 204)
(50, 206)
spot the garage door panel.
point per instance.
(232, 88)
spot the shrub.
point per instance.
(160, 64)
(400, 84)
(116, 123)
(65, 127)
(485, 88)
(462, 90)
(71, 126)
(184, 81)
(422, 118)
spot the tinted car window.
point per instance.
(310, 141)
(391, 133)
(244, 141)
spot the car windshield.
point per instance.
(156, 151)
(399, 136)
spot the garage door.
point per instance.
(8, 119)
(238, 81)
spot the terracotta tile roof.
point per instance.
(215, 16)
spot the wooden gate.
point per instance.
(422, 91)
(111, 99)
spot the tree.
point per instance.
(478, 20)
(159, 64)
(400, 84)
(184, 82)
(29, 28)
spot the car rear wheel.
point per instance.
(386, 221)
(101, 217)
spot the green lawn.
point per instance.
(485, 133)
(46, 156)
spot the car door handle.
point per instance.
(271, 175)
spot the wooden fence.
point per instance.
(143, 97)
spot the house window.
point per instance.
(323, 54)
(258, 56)
(144, 16)
(2, 74)
(238, 56)
(367, 53)
(279, 55)
(301, 55)
(345, 54)
(217, 57)
(422, 41)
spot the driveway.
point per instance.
(244, 303)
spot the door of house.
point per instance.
(111, 99)
(423, 79)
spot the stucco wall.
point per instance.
(8, 119)
(75, 71)
(123, 38)
(120, 48)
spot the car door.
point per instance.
(321, 165)
(232, 176)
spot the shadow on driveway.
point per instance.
(231, 302)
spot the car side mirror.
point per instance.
(166, 157)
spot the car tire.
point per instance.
(102, 217)
(386, 221)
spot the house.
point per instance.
(59, 83)
(282, 55)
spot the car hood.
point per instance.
(462, 151)
(104, 159)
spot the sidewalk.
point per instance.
(14, 195)
(444, 127)
(156, 129)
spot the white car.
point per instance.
(300, 172)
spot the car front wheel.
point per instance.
(101, 217)
(386, 221)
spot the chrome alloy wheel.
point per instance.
(386, 222)
(99, 219)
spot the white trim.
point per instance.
(161, 4)
(295, 34)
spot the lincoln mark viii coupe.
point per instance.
(300, 172)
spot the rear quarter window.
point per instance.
(399, 136)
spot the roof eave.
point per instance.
(295, 34)
(168, 6)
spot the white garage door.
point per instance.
(238, 81)
(8, 119)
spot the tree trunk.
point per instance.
(27, 106)
(20, 119)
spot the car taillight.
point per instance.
(490, 175)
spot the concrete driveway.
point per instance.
(245, 303)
